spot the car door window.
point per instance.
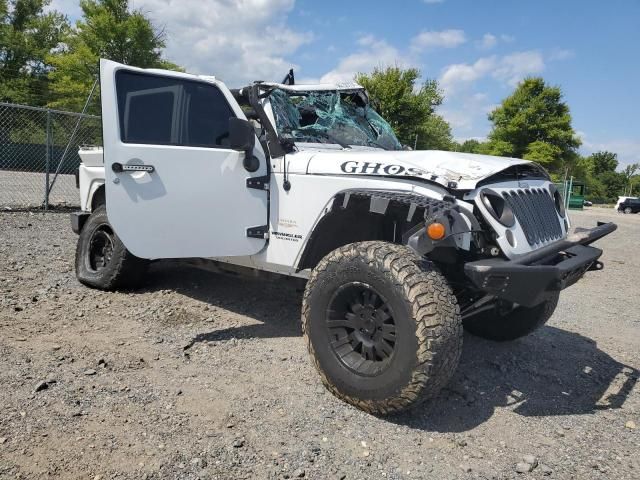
(171, 111)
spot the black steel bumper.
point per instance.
(527, 279)
(77, 221)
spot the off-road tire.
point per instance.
(428, 325)
(517, 323)
(120, 270)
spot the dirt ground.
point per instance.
(200, 375)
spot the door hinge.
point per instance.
(258, 232)
(259, 183)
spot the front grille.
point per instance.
(536, 212)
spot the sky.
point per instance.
(478, 50)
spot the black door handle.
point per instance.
(117, 167)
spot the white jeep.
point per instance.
(400, 249)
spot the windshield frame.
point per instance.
(341, 117)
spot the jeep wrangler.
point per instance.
(400, 249)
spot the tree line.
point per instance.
(46, 61)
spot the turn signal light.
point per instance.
(436, 231)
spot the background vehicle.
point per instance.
(399, 248)
(629, 205)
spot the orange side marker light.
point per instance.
(436, 231)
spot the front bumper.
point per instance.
(527, 280)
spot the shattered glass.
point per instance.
(339, 117)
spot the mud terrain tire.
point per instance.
(517, 323)
(102, 261)
(389, 290)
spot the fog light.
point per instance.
(436, 231)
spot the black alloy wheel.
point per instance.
(101, 247)
(361, 329)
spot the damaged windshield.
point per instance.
(339, 117)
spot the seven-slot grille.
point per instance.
(536, 212)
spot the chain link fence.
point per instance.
(39, 155)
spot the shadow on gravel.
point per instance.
(276, 304)
(552, 372)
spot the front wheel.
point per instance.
(501, 326)
(628, 210)
(382, 326)
(102, 261)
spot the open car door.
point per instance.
(174, 187)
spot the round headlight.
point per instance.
(557, 200)
(498, 208)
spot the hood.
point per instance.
(465, 169)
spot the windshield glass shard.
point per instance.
(339, 117)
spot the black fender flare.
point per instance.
(417, 210)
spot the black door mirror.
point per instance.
(242, 137)
(241, 134)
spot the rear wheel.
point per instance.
(102, 261)
(501, 324)
(628, 210)
(381, 325)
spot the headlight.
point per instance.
(558, 200)
(498, 207)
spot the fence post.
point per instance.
(48, 161)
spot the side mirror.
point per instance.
(241, 134)
(242, 137)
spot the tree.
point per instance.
(27, 36)
(500, 148)
(542, 152)
(409, 111)
(630, 177)
(434, 134)
(602, 162)
(614, 184)
(108, 29)
(535, 123)
(468, 146)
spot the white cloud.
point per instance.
(488, 41)
(561, 54)
(442, 39)
(468, 115)
(461, 74)
(509, 69)
(373, 53)
(516, 66)
(237, 41)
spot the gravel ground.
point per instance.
(201, 375)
